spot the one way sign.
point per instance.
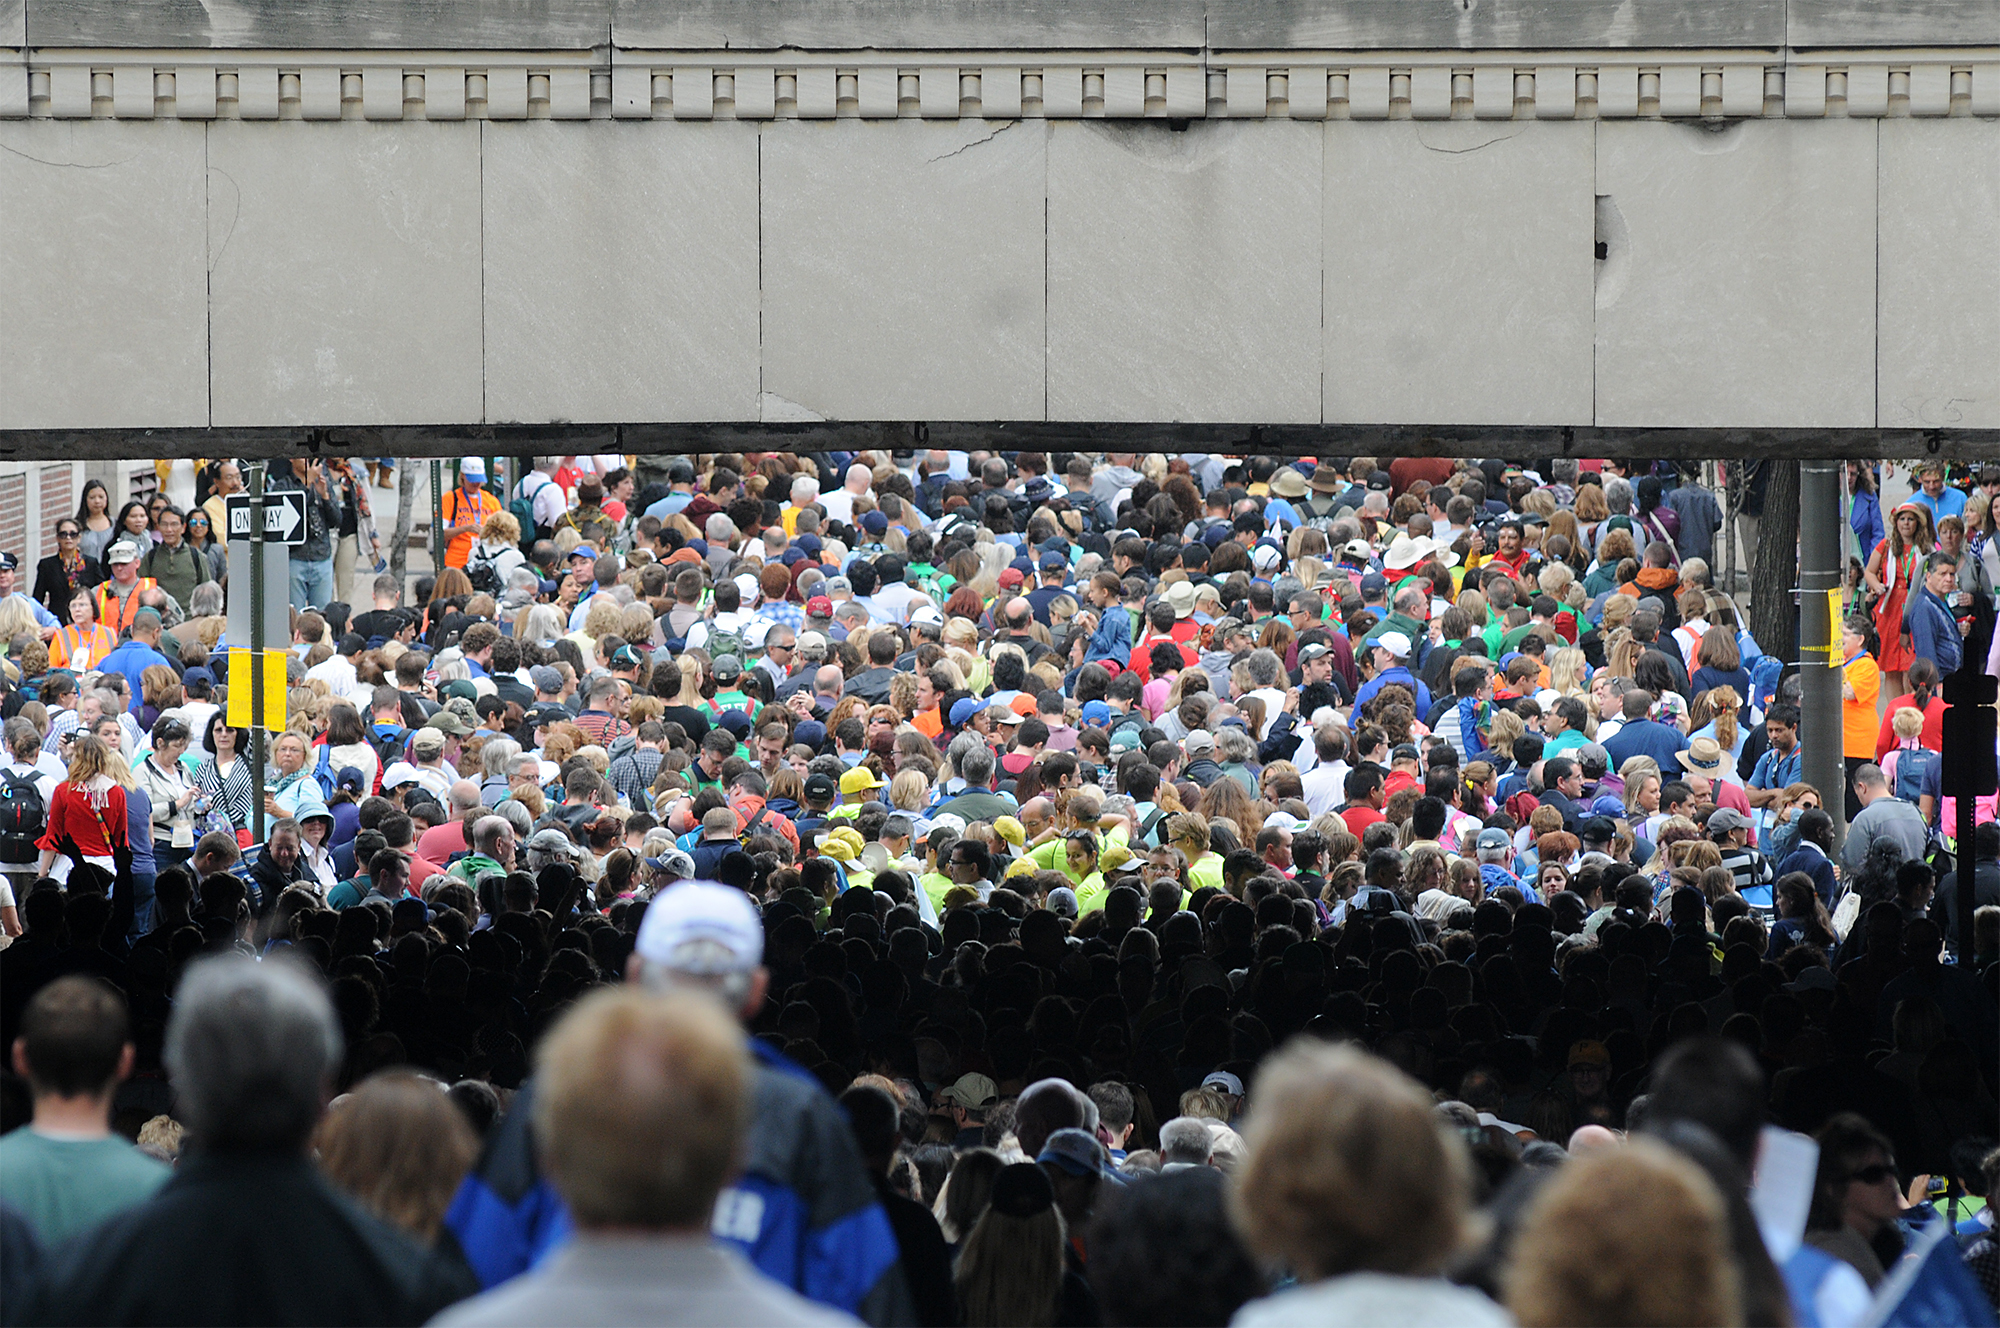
(284, 517)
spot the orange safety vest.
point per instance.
(107, 605)
(79, 651)
(459, 549)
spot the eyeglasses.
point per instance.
(1873, 1175)
(67, 534)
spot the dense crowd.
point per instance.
(994, 889)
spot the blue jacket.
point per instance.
(132, 659)
(1647, 737)
(1933, 631)
(1397, 674)
(1866, 519)
(803, 1211)
(1113, 637)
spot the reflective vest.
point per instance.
(109, 611)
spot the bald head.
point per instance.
(829, 680)
(1588, 1138)
(464, 796)
(859, 477)
(1019, 613)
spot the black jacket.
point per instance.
(54, 588)
(246, 1240)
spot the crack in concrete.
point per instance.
(974, 143)
(1459, 152)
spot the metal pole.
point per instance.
(437, 516)
(1820, 658)
(257, 644)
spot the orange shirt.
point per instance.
(79, 648)
(1858, 720)
(460, 548)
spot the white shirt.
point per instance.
(839, 506)
(549, 500)
(1274, 705)
(1325, 787)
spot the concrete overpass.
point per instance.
(1490, 226)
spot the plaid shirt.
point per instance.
(783, 614)
(632, 775)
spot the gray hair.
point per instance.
(486, 832)
(251, 1048)
(976, 765)
(1618, 496)
(206, 601)
(1187, 1140)
(497, 756)
(518, 816)
(1234, 745)
(1265, 667)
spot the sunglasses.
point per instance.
(67, 534)
(1873, 1175)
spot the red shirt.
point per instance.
(1359, 818)
(1933, 732)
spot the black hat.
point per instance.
(1022, 1190)
(820, 787)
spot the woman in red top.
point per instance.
(1893, 569)
(87, 813)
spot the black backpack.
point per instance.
(23, 817)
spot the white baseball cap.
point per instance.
(1395, 643)
(703, 929)
(472, 468)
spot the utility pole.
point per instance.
(1819, 636)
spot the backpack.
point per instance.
(522, 509)
(1764, 676)
(1317, 509)
(323, 771)
(23, 817)
(388, 750)
(479, 570)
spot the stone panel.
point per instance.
(1939, 275)
(1738, 288)
(621, 272)
(1184, 272)
(345, 273)
(103, 297)
(1458, 273)
(904, 269)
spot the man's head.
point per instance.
(1781, 727)
(281, 845)
(641, 1103)
(1870, 783)
(75, 1041)
(251, 1048)
(1941, 575)
(707, 937)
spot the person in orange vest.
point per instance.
(118, 598)
(466, 509)
(85, 641)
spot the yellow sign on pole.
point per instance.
(1833, 628)
(242, 711)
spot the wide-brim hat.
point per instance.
(1325, 479)
(1405, 553)
(1703, 754)
(1288, 483)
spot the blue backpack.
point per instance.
(1765, 671)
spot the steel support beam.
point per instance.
(1471, 441)
(1820, 656)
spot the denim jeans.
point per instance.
(312, 582)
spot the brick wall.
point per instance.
(14, 514)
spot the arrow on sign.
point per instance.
(282, 520)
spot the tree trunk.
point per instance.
(406, 502)
(1774, 615)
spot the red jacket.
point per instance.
(94, 821)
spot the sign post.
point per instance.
(257, 535)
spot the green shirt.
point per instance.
(63, 1186)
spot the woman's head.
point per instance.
(199, 529)
(83, 609)
(133, 519)
(1856, 1186)
(96, 501)
(1011, 1268)
(88, 758)
(1348, 1169)
(221, 740)
(400, 1146)
(1632, 1234)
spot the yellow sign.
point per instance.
(1833, 628)
(242, 712)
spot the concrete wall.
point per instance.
(1687, 224)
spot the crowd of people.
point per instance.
(993, 889)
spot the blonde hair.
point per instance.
(1349, 1169)
(1629, 1235)
(641, 1103)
